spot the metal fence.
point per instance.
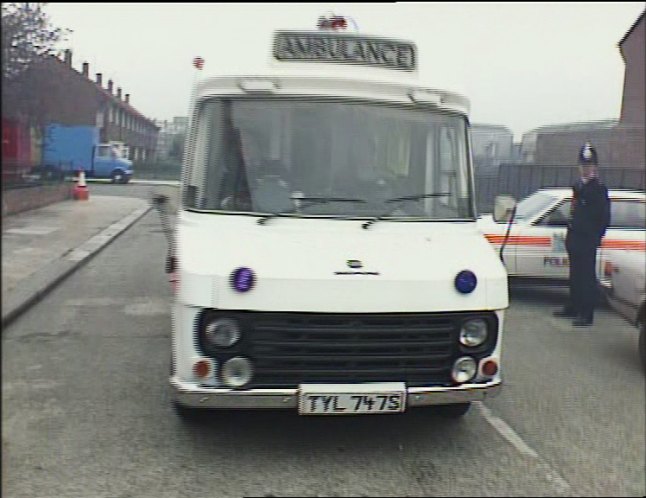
(17, 175)
(520, 180)
(159, 170)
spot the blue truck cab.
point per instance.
(109, 163)
(68, 149)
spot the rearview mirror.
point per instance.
(557, 219)
(503, 207)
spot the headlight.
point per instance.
(222, 333)
(473, 332)
(237, 372)
(464, 369)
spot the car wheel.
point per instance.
(454, 411)
(117, 176)
(188, 414)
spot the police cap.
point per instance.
(588, 155)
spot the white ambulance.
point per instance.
(326, 248)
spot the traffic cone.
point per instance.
(81, 192)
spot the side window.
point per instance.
(558, 217)
(625, 213)
(448, 160)
(103, 151)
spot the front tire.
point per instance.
(117, 176)
(188, 414)
(455, 411)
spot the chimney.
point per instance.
(99, 79)
(68, 57)
(127, 98)
(86, 69)
(110, 86)
(119, 93)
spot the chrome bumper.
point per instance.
(194, 396)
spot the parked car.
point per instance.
(627, 291)
(535, 247)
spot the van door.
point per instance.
(540, 247)
(103, 161)
(627, 228)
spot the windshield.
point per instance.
(270, 156)
(533, 205)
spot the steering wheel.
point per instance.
(272, 195)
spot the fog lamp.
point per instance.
(237, 372)
(464, 369)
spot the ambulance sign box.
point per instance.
(349, 49)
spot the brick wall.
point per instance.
(633, 108)
(618, 147)
(521, 180)
(23, 199)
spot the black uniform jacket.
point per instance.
(590, 211)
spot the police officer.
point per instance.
(590, 216)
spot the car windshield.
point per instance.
(531, 206)
(274, 156)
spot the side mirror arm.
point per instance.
(504, 242)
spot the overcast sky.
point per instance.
(522, 65)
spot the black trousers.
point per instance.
(582, 252)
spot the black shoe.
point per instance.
(582, 322)
(565, 314)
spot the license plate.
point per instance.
(351, 399)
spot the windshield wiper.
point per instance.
(310, 201)
(398, 201)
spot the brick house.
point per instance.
(68, 97)
(631, 47)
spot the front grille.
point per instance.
(288, 349)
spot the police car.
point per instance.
(535, 247)
(627, 293)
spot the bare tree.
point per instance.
(28, 41)
(28, 46)
(26, 36)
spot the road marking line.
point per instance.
(33, 230)
(517, 442)
(78, 255)
(98, 239)
(505, 431)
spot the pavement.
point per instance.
(135, 181)
(42, 247)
